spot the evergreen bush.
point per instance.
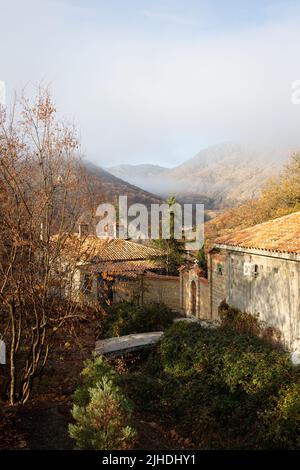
(101, 412)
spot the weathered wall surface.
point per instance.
(149, 288)
(274, 293)
(163, 289)
(217, 279)
(202, 300)
(145, 288)
(184, 291)
(126, 288)
(209, 292)
(79, 294)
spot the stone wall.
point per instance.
(201, 304)
(126, 288)
(204, 312)
(209, 292)
(174, 291)
(163, 289)
(145, 288)
(184, 290)
(217, 280)
(149, 288)
(79, 294)
(273, 291)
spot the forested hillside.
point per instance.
(280, 196)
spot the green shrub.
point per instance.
(145, 391)
(238, 361)
(94, 370)
(178, 349)
(240, 321)
(280, 428)
(127, 317)
(101, 412)
(221, 386)
(256, 372)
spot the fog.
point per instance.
(157, 81)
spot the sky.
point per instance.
(157, 81)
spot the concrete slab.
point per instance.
(121, 344)
(205, 323)
(189, 319)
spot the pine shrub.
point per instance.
(101, 412)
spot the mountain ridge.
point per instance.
(223, 175)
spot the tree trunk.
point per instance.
(12, 355)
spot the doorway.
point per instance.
(193, 299)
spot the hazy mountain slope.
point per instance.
(146, 176)
(143, 170)
(221, 175)
(228, 173)
(106, 188)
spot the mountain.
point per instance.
(106, 187)
(219, 176)
(145, 176)
(144, 170)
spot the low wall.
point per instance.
(204, 300)
(202, 294)
(217, 278)
(164, 289)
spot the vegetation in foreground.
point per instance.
(43, 192)
(101, 412)
(127, 317)
(224, 388)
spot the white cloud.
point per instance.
(138, 96)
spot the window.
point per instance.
(220, 269)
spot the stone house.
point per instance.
(256, 270)
(114, 269)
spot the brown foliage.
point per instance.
(42, 193)
(279, 197)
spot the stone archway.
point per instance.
(193, 299)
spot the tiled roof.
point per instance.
(280, 235)
(121, 267)
(93, 249)
(163, 277)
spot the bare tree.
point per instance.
(42, 195)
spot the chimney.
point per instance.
(83, 230)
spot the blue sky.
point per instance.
(156, 81)
(193, 16)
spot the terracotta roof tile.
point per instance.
(122, 267)
(93, 249)
(281, 235)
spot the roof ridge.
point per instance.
(281, 234)
(270, 221)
